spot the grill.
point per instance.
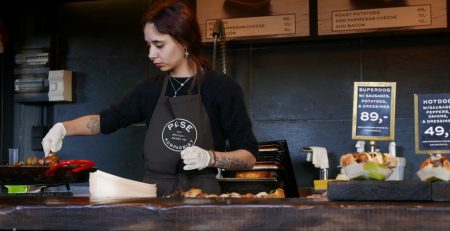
(273, 169)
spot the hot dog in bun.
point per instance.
(435, 168)
(368, 165)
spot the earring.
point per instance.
(186, 53)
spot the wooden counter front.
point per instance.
(81, 213)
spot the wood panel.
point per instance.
(79, 213)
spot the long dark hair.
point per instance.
(176, 19)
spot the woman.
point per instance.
(190, 111)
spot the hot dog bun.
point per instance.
(364, 157)
(435, 168)
(436, 162)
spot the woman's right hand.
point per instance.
(53, 140)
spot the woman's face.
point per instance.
(164, 51)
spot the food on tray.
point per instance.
(253, 174)
(365, 157)
(194, 192)
(368, 165)
(435, 168)
(436, 162)
(278, 193)
(248, 195)
(318, 195)
(51, 160)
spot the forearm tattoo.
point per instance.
(232, 163)
(93, 125)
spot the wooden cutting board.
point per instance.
(379, 191)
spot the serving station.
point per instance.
(80, 213)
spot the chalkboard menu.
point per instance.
(432, 123)
(373, 111)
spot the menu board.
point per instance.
(255, 19)
(363, 16)
(373, 111)
(432, 123)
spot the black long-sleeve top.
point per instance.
(221, 96)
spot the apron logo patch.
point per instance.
(179, 134)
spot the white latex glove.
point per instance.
(195, 158)
(53, 140)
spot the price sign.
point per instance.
(373, 111)
(432, 123)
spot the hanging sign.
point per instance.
(363, 16)
(432, 123)
(373, 111)
(254, 19)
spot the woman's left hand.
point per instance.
(195, 158)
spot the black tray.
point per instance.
(66, 172)
(379, 190)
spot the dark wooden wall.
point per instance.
(300, 91)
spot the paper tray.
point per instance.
(106, 185)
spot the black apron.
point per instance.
(177, 123)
